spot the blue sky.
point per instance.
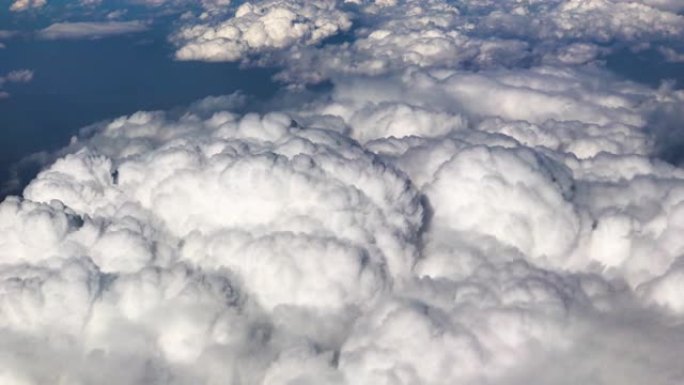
(104, 78)
(82, 81)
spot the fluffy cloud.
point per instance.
(302, 246)
(261, 27)
(472, 193)
(318, 237)
(393, 35)
(587, 132)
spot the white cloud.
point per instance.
(269, 249)
(23, 5)
(90, 30)
(394, 35)
(474, 192)
(259, 27)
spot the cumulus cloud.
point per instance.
(304, 245)
(263, 26)
(473, 192)
(90, 30)
(394, 35)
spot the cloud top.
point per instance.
(261, 27)
(394, 35)
(473, 191)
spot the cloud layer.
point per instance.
(304, 246)
(393, 35)
(474, 200)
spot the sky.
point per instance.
(345, 192)
(98, 79)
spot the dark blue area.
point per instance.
(666, 124)
(646, 67)
(80, 82)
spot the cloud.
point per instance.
(90, 30)
(671, 55)
(395, 35)
(23, 5)
(4, 34)
(201, 243)
(578, 127)
(17, 76)
(211, 6)
(261, 27)
(20, 76)
(472, 192)
(341, 246)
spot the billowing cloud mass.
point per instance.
(395, 34)
(90, 30)
(475, 200)
(262, 27)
